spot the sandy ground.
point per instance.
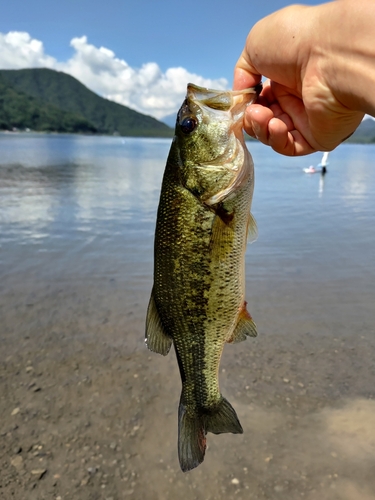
(86, 412)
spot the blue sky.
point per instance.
(204, 38)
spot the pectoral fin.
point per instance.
(156, 338)
(252, 229)
(245, 327)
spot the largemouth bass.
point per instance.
(203, 224)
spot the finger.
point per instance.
(245, 76)
(277, 132)
(287, 142)
(279, 113)
(256, 121)
(258, 117)
(270, 130)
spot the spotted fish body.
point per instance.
(203, 224)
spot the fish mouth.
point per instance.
(234, 101)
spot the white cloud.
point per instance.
(146, 89)
(19, 50)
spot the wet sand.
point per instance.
(86, 412)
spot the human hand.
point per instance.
(301, 109)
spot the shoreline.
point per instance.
(249, 139)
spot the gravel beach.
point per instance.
(87, 412)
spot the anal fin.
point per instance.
(245, 327)
(156, 338)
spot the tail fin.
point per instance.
(191, 439)
(223, 419)
(192, 430)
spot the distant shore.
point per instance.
(94, 134)
(351, 140)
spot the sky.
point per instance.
(139, 53)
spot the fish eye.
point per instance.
(188, 124)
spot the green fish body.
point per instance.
(203, 224)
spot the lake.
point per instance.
(83, 401)
(82, 205)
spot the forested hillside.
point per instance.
(43, 99)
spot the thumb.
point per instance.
(245, 75)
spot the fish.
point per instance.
(203, 225)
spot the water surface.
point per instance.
(78, 207)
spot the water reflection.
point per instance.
(357, 183)
(65, 193)
(77, 179)
(321, 185)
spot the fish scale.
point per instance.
(197, 301)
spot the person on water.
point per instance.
(319, 87)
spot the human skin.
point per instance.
(320, 65)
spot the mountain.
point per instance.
(170, 120)
(56, 91)
(365, 133)
(19, 110)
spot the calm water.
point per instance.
(73, 206)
